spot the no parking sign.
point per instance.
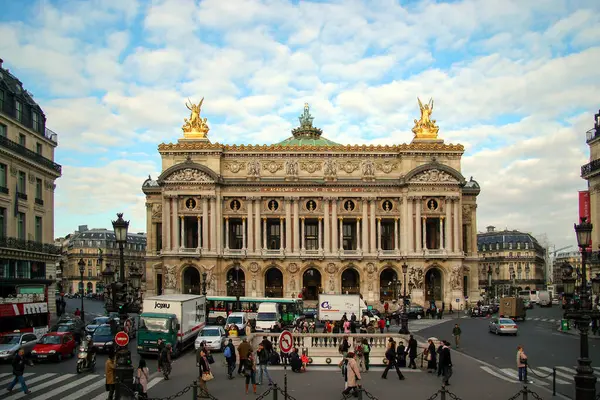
(286, 341)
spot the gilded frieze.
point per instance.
(235, 166)
(386, 167)
(310, 166)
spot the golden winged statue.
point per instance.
(195, 127)
(425, 128)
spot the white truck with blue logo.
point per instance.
(332, 307)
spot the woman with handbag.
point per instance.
(206, 374)
(141, 377)
(250, 371)
(431, 357)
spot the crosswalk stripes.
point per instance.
(40, 386)
(153, 382)
(513, 374)
(558, 374)
(63, 388)
(10, 377)
(542, 371)
(81, 393)
(564, 375)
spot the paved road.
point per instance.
(92, 308)
(544, 345)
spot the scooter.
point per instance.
(83, 364)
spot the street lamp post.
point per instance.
(582, 314)
(404, 315)
(120, 227)
(489, 273)
(81, 264)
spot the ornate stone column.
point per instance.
(201, 238)
(288, 225)
(250, 225)
(404, 225)
(264, 236)
(365, 225)
(448, 224)
(244, 244)
(213, 224)
(334, 226)
(358, 246)
(166, 223)
(302, 227)
(424, 227)
(281, 247)
(373, 236)
(257, 241)
(418, 229)
(226, 233)
(378, 234)
(296, 222)
(320, 238)
(396, 234)
(410, 222)
(442, 233)
(456, 222)
(460, 226)
(204, 224)
(326, 223)
(175, 222)
(181, 232)
(219, 225)
(341, 234)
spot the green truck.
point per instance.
(175, 318)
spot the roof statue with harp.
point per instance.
(425, 128)
(195, 127)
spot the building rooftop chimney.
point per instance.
(82, 228)
(490, 228)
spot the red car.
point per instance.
(54, 346)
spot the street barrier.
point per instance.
(553, 373)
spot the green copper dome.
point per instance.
(306, 134)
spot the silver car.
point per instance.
(12, 342)
(214, 336)
(503, 325)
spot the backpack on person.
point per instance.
(227, 352)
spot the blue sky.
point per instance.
(516, 82)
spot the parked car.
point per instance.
(54, 346)
(501, 326)
(103, 339)
(12, 342)
(414, 311)
(214, 336)
(96, 322)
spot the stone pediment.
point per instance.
(435, 173)
(433, 176)
(189, 175)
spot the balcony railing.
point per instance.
(29, 245)
(22, 196)
(590, 168)
(31, 155)
(311, 253)
(39, 201)
(51, 135)
(4, 190)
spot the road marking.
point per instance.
(497, 375)
(569, 370)
(9, 380)
(4, 374)
(549, 370)
(511, 372)
(544, 319)
(154, 382)
(536, 319)
(42, 386)
(83, 391)
(64, 388)
(558, 373)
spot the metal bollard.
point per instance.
(360, 394)
(195, 390)
(443, 393)
(554, 381)
(275, 390)
(525, 394)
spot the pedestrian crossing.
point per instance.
(551, 320)
(541, 376)
(55, 386)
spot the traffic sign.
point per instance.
(458, 300)
(122, 339)
(286, 341)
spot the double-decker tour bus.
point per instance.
(25, 309)
(219, 307)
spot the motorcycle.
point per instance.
(82, 360)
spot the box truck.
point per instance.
(332, 307)
(175, 318)
(512, 307)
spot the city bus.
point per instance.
(219, 307)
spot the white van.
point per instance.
(267, 316)
(238, 318)
(545, 298)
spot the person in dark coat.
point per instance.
(401, 355)
(439, 353)
(295, 361)
(390, 355)
(161, 345)
(446, 363)
(412, 352)
(18, 366)
(231, 359)
(431, 357)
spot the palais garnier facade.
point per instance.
(308, 216)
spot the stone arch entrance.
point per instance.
(273, 282)
(311, 284)
(350, 281)
(386, 285)
(90, 287)
(235, 275)
(191, 280)
(434, 285)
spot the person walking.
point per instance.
(401, 355)
(366, 350)
(456, 332)
(18, 365)
(160, 344)
(263, 361)
(431, 357)
(344, 346)
(439, 353)
(360, 359)
(353, 375)
(250, 371)
(141, 375)
(446, 363)
(243, 349)
(229, 354)
(522, 364)
(381, 325)
(390, 356)
(205, 374)
(109, 371)
(412, 352)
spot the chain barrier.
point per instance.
(285, 396)
(445, 392)
(540, 376)
(174, 396)
(263, 395)
(524, 392)
(358, 392)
